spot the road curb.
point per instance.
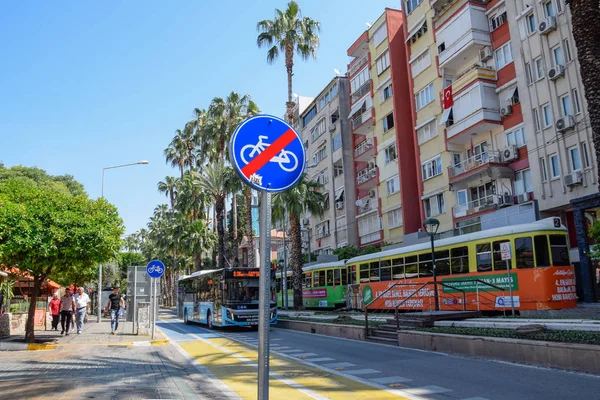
(18, 346)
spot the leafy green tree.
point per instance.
(53, 234)
(305, 196)
(62, 183)
(289, 32)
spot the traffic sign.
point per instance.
(506, 250)
(155, 269)
(267, 153)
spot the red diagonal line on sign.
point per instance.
(260, 160)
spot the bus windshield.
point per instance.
(241, 290)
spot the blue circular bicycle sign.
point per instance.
(155, 269)
(267, 153)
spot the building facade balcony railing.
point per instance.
(356, 64)
(365, 204)
(471, 74)
(365, 175)
(363, 147)
(475, 162)
(491, 203)
(361, 91)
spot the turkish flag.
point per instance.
(448, 102)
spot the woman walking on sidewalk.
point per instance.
(54, 308)
(115, 302)
(67, 306)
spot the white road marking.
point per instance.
(362, 371)
(476, 398)
(391, 379)
(425, 390)
(340, 365)
(320, 359)
(291, 351)
(305, 355)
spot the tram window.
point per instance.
(499, 263)
(386, 270)
(278, 285)
(336, 277)
(425, 265)
(411, 269)
(308, 280)
(460, 260)
(484, 257)
(364, 273)
(398, 268)
(524, 252)
(352, 274)
(442, 262)
(321, 278)
(344, 277)
(374, 275)
(542, 255)
(560, 251)
(329, 277)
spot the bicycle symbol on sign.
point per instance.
(155, 268)
(284, 158)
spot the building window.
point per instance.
(536, 120)
(567, 50)
(528, 73)
(336, 141)
(516, 137)
(393, 185)
(388, 122)
(328, 96)
(530, 23)
(441, 47)
(543, 169)
(431, 168)
(411, 5)
(576, 101)
(559, 6)
(548, 9)
(427, 132)
(395, 218)
(523, 182)
(498, 19)
(359, 80)
(584, 150)
(575, 158)
(565, 105)
(335, 116)
(557, 56)
(554, 166)
(385, 93)
(319, 155)
(323, 177)
(504, 55)
(391, 154)
(547, 113)
(424, 97)
(421, 63)
(338, 170)
(383, 62)
(434, 205)
(309, 116)
(540, 69)
(380, 34)
(326, 204)
(318, 129)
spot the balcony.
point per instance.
(361, 91)
(471, 74)
(366, 178)
(475, 110)
(462, 36)
(490, 162)
(356, 64)
(365, 150)
(370, 238)
(489, 203)
(365, 204)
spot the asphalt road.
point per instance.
(379, 371)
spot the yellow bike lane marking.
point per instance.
(235, 364)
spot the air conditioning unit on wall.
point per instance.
(372, 194)
(565, 123)
(547, 26)
(339, 205)
(574, 178)
(523, 198)
(510, 153)
(506, 110)
(556, 72)
(485, 53)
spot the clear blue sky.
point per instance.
(85, 85)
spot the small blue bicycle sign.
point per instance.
(155, 269)
(267, 153)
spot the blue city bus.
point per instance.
(223, 297)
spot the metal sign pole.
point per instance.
(512, 304)
(153, 308)
(134, 300)
(284, 296)
(99, 293)
(264, 307)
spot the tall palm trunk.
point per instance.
(249, 233)
(296, 259)
(289, 67)
(219, 209)
(586, 31)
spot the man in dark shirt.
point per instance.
(115, 302)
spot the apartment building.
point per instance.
(557, 124)
(325, 130)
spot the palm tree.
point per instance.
(586, 31)
(289, 32)
(305, 196)
(215, 181)
(169, 187)
(176, 153)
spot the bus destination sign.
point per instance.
(246, 274)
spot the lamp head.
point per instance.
(143, 162)
(431, 226)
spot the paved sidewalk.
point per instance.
(98, 365)
(94, 333)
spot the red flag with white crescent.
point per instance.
(448, 102)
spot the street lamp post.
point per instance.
(100, 266)
(431, 226)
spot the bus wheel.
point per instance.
(185, 317)
(209, 320)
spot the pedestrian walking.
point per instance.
(54, 308)
(82, 302)
(115, 303)
(67, 306)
